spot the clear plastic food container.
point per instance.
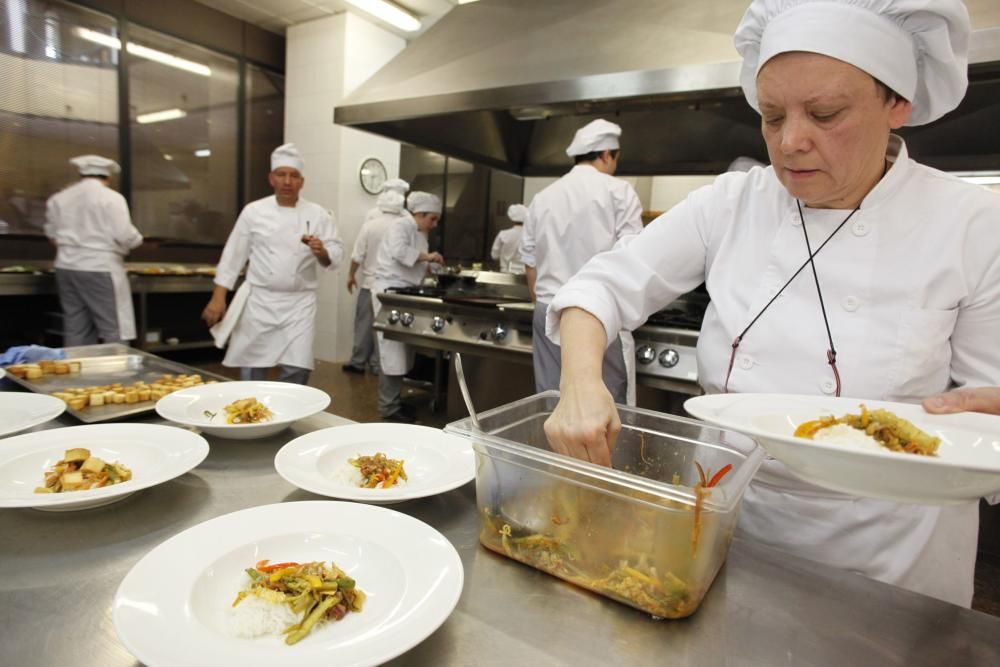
(649, 532)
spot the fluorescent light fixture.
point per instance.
(466, 2)
(160, 116)
(144, 52)
(389, 13)
(203, 152)
(168, 156)
(979, 177)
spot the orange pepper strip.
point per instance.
(717, 477)
(276, 566)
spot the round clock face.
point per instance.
(373, 175)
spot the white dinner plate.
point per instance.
(19, 410)
(3, 373)
(174, 606)
(154, 453)
(434, 461)
(195, 406)
(966, 467)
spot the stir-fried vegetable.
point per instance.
(889, 430)
(79, 471)
(379, 471)
(317, 591)
(247, 411)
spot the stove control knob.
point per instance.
(498, 333)
(406, 319)
(645, 354)
(437, 323)
(669, 358)
(393, 316)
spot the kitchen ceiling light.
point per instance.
(389, 13)
(160, 116)
(203, 152)
(144, 52)
(466, 2)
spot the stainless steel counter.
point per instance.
(61, 572)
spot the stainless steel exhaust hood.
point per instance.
(506, 83)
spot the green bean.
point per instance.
(312, 619)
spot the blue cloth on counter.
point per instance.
(29, 354)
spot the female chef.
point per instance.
(901, 299)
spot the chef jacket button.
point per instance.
(828, 386)
(794, 219)
(746, 362)
(860, 228)
(851, 304)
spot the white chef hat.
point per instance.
(517, 212)
(95, 165)
(743, 163)
(423, 202)
(396, 185)
(919, 48)
(390, 201)
(597, 135)
(287, 155)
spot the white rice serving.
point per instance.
(842, 434)
(254, 617)
(349, 475)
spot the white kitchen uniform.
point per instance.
(507, 249)
(397, 266)
(90, 225)
(912, 291)
(365, 254)
(277, 325)
(583, 214)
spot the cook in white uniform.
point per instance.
(365, 257)
(90, 225)
(507, 245)
(582, 214)
(392, 185)
(286, 240)
(403, 258)
(906, 263)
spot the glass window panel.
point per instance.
(182, 110)
(265, 122)
(58, 99)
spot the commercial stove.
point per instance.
(490, 315)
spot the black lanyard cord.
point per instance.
(831, 353)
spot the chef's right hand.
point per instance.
(585, 423)
(214, 312)
(351, 284)
(433, 257)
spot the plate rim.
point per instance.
(67, 501)
(287, 450)
(831, 447)
(396, 650)
(34, 397)
(241, 427)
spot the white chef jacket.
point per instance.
(507, 249)
(582, 214)
(376, 212)
(91, 227)
(397, 264)
(912, 292)
(367, 245)
(277, 324)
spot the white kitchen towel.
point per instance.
(224, 327)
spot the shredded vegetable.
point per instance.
(379, 471)
(890, 431)
(316, 591)
(247, 411)
(79, 471)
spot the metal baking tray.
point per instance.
(108, 364)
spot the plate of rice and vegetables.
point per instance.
(309, 584)
(377, 463)
(877, 449)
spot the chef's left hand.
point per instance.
(975, 399)
(318, 251)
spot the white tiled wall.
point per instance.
(325, 60)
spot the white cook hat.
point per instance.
(423, 202)
(919, 48)
(597, 135)
(396, 185)
(517, 212)
(287, 155)
(744, 163)
(390, 201)
(95, 165)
